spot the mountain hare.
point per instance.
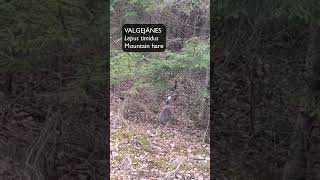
(166, 114)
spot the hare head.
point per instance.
(168, 100)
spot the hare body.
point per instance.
(165, 114)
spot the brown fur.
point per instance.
(165, 114)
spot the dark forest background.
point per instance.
(53, 89)
(265, 89)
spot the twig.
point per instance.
(204, 136)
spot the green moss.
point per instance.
(199, 151)
(118, 158)
(160, 163)
(120, 135)
(126, 149)
(184, 167)
(136, 162)
(143, 139)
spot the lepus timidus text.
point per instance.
(166, 114)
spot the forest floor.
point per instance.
(147, 150)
